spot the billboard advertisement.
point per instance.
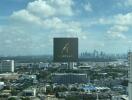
(65, 49)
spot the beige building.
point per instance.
(9, 76)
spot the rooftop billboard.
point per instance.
(65, 49)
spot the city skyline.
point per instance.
(28, 26)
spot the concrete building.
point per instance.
(30, 92)
(9, 76)
(2, 85)
(43, 65)
(69, 78)
(130, 75)
(7, 66)
(34, 77)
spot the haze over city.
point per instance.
(65, 50)
(27, 27)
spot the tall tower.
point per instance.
(130, 75)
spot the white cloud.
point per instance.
(119, 25)
(120, 19)
(41, 8)
(63, 7)
(88, 7)
(8, 41)
(24, 16)
(43, 13)
(125, 3)
(129, 41)
(104, 21)
(46, 8)
(1, 29)
(117, 32)
(32, 28)
(115, 35)
(128, 3)
(19, 41)
(53, 24)
(123, 19)
(119, 28)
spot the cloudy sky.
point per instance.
(27, 27)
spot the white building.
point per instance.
(34, 77)
(43, 65)
(9, 76)
(7, 66)
(2, 85)
(130, 75)
(30, 92)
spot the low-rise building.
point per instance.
(69, 78)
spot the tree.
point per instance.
(25, 98)
(49, 90)
(14, 92)
(74, 89)
(43, 74)
(12, 98)
(72, 98)
(60, 89)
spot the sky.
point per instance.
(27, 27)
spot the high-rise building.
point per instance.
(6, 66)
(130, 75)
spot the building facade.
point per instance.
(69, 78)
(7, 66)
(130, 75)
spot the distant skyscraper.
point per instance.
(130, 75)
(6, 66)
